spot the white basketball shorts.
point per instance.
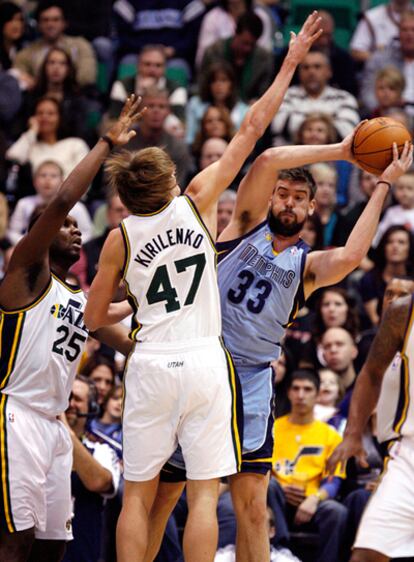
(35, 464)
(387, 525)
(186, 393)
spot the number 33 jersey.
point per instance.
(261, 292)
(41, 346)
(170, 274)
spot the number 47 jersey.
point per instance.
(170, 274)
(41, 346)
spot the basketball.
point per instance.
(372, 144)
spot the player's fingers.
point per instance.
(135, 105)
(292, 35)
(131, 135)
(316, 35)
(310, 20)
(362, 459)
(394, 151)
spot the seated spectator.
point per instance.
(95, 475)
(301, 494)
(46, 139)
(252, 65)
(377, 29)
(51, 26)
(215, 123)
(151, 67)
(325, 177)
(403, 212)
(394, 256)
(57, 79)
(218, 88)
(342, 64)
(400, 56)
(100, 370)
(109, 424)
(114, 212)
(225, 207)
(221, 21)
(11, 33)
(313, 94)
(312, 232)
(330, 395)
(150, 132)
(47, 180)
(389, 87)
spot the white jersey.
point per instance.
(170, 274)
(396, 401)
(41, 346)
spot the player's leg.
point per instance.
(167, 496)
(16, 547)
(365, 555)
(249, 494)
(47, 551)
(201, 530)
(133, 523)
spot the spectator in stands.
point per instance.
(109, 424)
(403, 212)
(114, 211)
(394, 256)
(252, 65)
(11, 33)
(218, 88)
(401, 56)
(47, 180)
(150, 132)
(342, 64)
(57, 79)
(221, 21)
(95, 475)
(51, 26)
(389, 87)
(378, 29)
(46, 139)
(101, 371)
(151, 66)
(225, 208)
(312, 232)
(10, 101)
(215, 123)
(330, 395)
(325, 177)
(301, 495)
(212, 150)
(315, 95)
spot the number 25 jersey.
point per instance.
(170, 274)
(41, 346)
(261, 292)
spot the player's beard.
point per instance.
(280, 229)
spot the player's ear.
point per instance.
(312, 206)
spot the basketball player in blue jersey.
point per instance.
(42, 337)
(176, 385)
(265, 274)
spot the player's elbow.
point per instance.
(101, 483)
(253, 128)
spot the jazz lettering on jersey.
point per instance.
(72, 313)
(170, 237)
(259, 263)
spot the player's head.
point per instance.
(47, 179)
(145, 180)
(397, 287)
(293, 200)
(303, 391)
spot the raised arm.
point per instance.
(331, 266)
(387, 342)
(207, 186)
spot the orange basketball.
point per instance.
(372, 144)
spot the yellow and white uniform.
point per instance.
(387, 525)
(180, 385)
(40, 349)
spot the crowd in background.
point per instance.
(67, 67)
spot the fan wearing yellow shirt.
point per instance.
(300, 493)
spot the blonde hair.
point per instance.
(392, 77)
(142, 179)
(323, 169)
(4, 215)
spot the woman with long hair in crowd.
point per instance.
(215, 123)
(11, 33)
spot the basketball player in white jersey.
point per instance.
(386, 381)
(177, 388)
(42, 336)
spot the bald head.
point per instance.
(211, 151)
(339, 349)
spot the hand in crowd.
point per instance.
(400, 163)
(121, 132)
(33, 124)
(306, 510)
(300, 44)
(351, 446)
(294, 494)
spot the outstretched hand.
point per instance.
(300, 44)
(121, 132)
(400, 164)
(350, 447)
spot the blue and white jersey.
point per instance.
(261, 292)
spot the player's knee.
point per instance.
(253, 510)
